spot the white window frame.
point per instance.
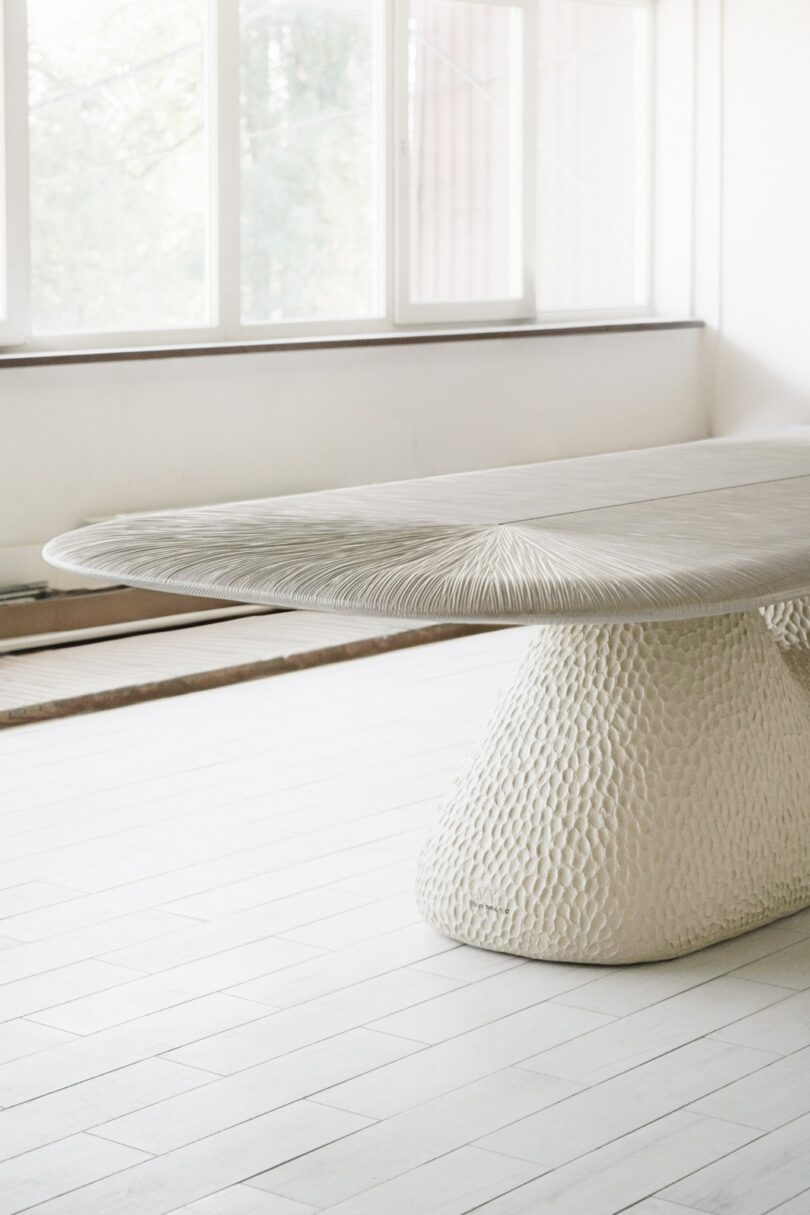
(392, 309)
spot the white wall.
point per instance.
(763, 355)
(92, 439)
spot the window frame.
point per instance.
(394, 312)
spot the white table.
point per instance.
(643, 787)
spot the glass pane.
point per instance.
(463, 132)
(118, 164)
(592, 109)
(307, 159)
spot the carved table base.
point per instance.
(641, 791)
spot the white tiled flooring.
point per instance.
(218, 998)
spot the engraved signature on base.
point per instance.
(487, 899)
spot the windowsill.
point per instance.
(413, 337)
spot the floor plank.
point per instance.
(244, 1200)
(67, 1165)
(390, 1148)
(767, 1099)
(753, 1180)
(451, 1185)
(622, 992)
(290, 1029)
(629, 1041)
(31, 995)
(623, 1104)
(459, 1061)
(82, 1058)
(225, 1102)
(91, 1102)
(784, 1028)
(163, 1183)
(612, 1177)
(22, 1037)
(478, 1003)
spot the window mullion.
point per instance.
(387, 216)
(399, 158)
(528, 193)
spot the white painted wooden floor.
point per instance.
(218, 999)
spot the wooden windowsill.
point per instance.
(41, 358)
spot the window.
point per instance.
(13, 177)
(461, 199)
(118, 164)
(593, 171)
(190, 170)
(308, 168)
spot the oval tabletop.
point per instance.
(693, 529)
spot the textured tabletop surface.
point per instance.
(686, 530)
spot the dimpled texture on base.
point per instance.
(789, 624)
(641, 791)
